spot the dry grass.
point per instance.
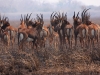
(49, 61)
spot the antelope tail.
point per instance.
(86, 33)
(69, 33)
(10, 34)
(95, 33)
(18, 36)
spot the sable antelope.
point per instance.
(10, 29)
(43, 36)
(50, 36)
(68, 29)
(93, 34)
(80, 29)
(23, 25)
(53, 37)
(76, 23)
(31, 33)
(56, 22)
(5, 37)
(61, 25)
(98, 30)
(69, 33)
(93, 30)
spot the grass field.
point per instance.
(49, 61)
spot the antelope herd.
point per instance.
(59, 33)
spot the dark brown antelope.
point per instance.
(55, 20)
(63, 27)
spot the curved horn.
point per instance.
(3, 17)
(77, 14)
(21, 18)
(85, 16)
(41, 19)
(59, 15)
(74, 15)
(0, 16)
(87, 10)
(7, 19)
(29, 16)
(42, 16)
(51, 16)
(54, 15)
(24, 18)
(82, 15)
(38, 18)
(63, 15)
(66, 16)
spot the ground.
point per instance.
(49, 61)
